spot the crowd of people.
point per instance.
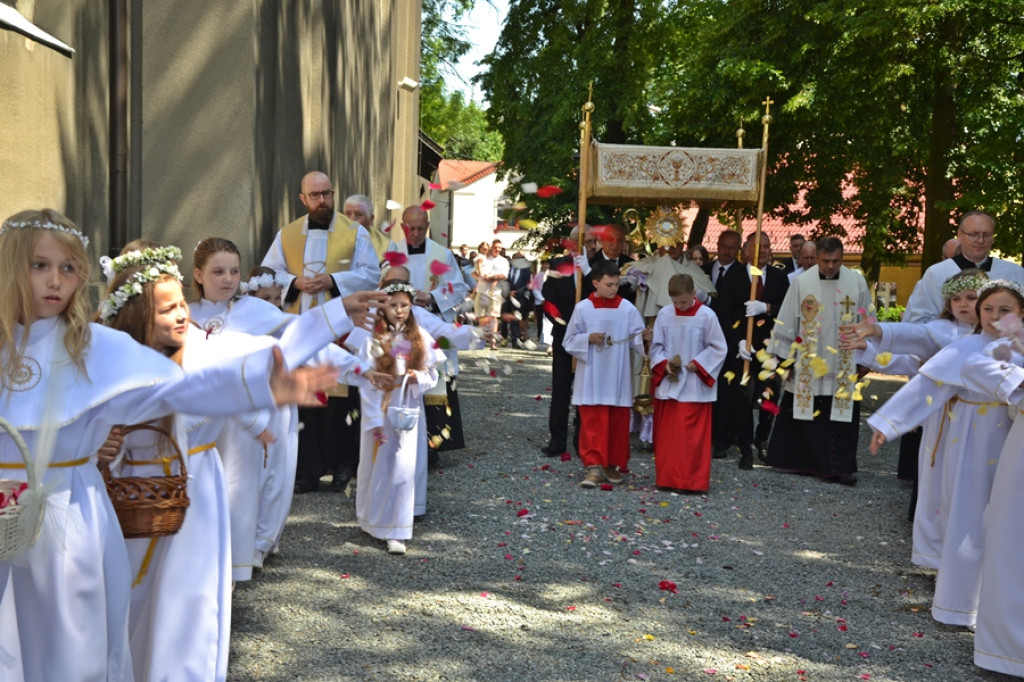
(338, 356)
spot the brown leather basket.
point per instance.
(150, 506)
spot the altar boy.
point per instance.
(603, 328)
(687, 353)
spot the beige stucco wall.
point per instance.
(229, 104)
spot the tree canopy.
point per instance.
(460, 127)
(889, 111)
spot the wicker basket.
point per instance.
(150, 506)
(19, 524)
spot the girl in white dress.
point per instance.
(973, 431)
(64, 603)
(904, 346)
(385, 496)
(272, 441)
(180, 611)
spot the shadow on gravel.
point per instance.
(769, 576)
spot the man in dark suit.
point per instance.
(613, 247)
(725, 258)
(559, 292)
(788, 265)
(732, 417)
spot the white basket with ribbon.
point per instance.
(402, 417)
(21, 506)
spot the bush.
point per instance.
(891, 314)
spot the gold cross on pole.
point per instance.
(768, 102)
(847, 304)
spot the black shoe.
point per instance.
(762, 451)
(845, 479)
(433, 458)
(746, 460)
(340, 481)
(719, 451)
(305, 485)
(551, 452)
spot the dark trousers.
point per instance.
(561, 394)
(327, 443)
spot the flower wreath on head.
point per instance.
(43, 225)
(112, 304)
(398, 287)
(1005, 283)
(262, 282)
(131, 259)
(954, 286)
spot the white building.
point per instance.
(470, 206)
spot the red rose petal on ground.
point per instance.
(565, 457)
(523, 512)
(607, 486)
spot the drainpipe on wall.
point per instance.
(118, 88)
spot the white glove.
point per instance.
(582, 263)
(744, 354)
(755, 308)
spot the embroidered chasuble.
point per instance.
(807, 330)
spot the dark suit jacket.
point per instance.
(734, 292)
(788, 265)
(560, 291)
(625, 291)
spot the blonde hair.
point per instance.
(384, 332)
(17, 247)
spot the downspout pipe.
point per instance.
(118, 89)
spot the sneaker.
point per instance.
(396, 547)
(594, 477)
(613, 475)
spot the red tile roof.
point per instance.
(462, 172)
(777, 231)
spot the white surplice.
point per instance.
(604, 373)
(71, 590)
(696, 337)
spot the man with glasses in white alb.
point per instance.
(976, 233)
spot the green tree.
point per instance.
(460, 128)
(886, 110)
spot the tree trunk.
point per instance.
(938, 187)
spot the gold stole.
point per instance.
(341, 246)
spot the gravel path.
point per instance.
(516, 573)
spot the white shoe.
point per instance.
(396, 547)
(257, 559)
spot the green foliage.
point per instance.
(460, 128)
(887, 111)
(890, 314)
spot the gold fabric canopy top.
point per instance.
(634, 174)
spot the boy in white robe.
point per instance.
(687, 352)
(602, 330)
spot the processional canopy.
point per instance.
(635, 174)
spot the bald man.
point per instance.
(325, 255)
(440, 289)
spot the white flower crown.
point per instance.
(954, 286)
(130, 259)
(43, 225)
(262, 282)
(396, 287)
(1005, 283)
(112, 304)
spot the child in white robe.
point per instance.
(973, 431)
(180, 608)
(385, 496)
(999, 637)
(70, 592)
(901, 348)
(687, 333)
(603, 329)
